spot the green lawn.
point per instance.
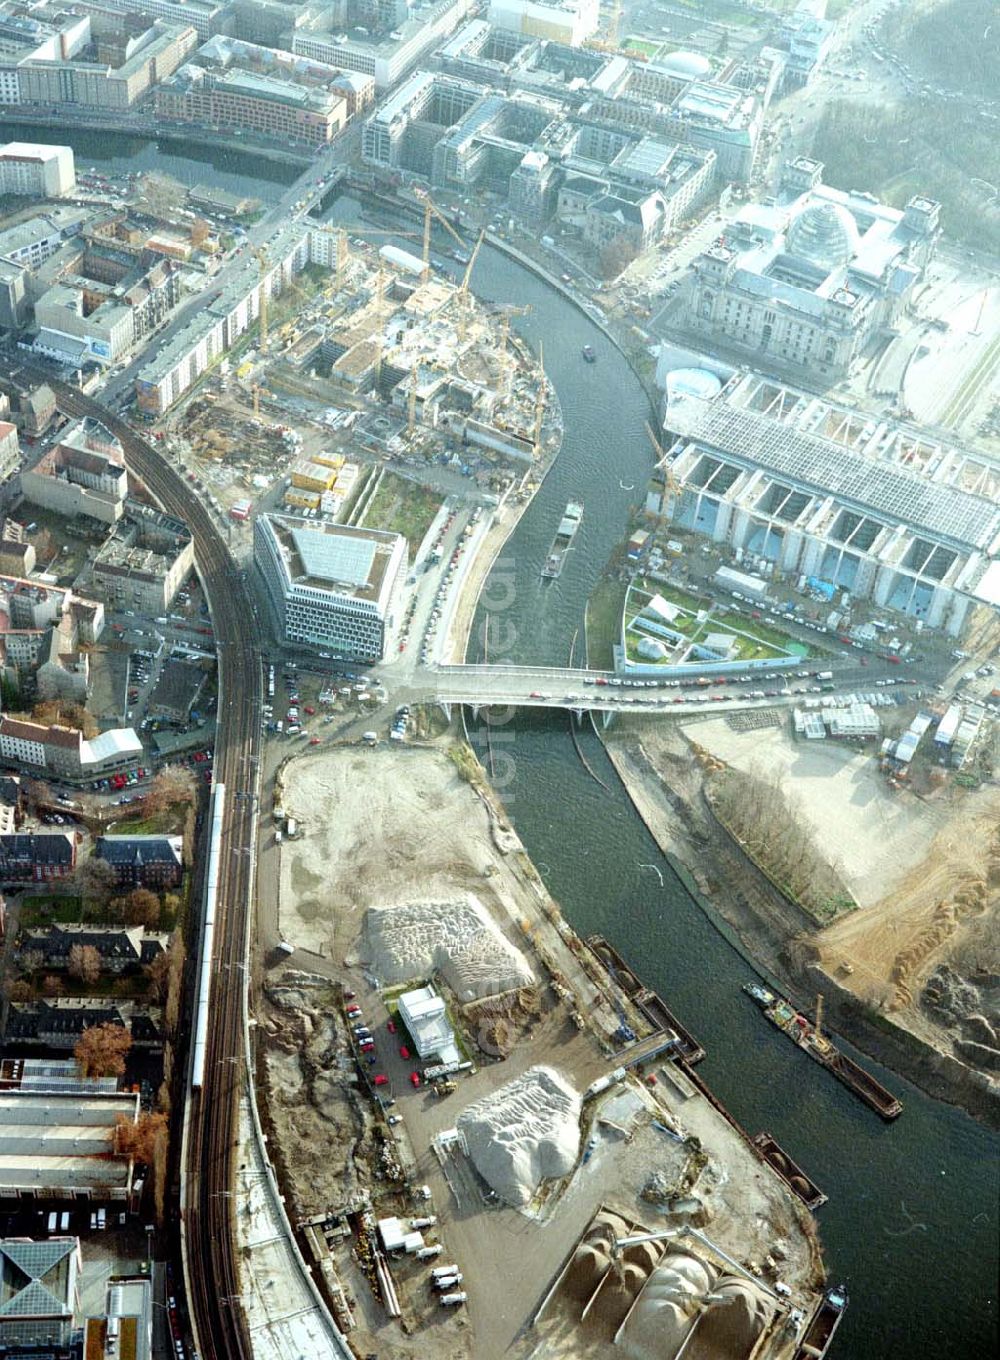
(403, 507)
(46, 909)
(604, 621)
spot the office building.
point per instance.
(332, 588)
(825, 495)
(40, 1293)
(814, 281)
(66, 84)
(63, 753)
(267, 106)
(561, 21)
(36, 170)
(83, 474)
(385, 44)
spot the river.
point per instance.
(911, 1223)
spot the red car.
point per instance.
(404, 1052)
(199, 756)
(314, 741)
(391, 1026)
(309, 710)
(381, 1080)
(415, 1078)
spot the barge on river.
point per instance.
(563, 541)
(815, 1342)
(790, 1172)
(810, 1037)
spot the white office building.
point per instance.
(332, 587)
(36, 170)
(563, 21)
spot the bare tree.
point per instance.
(141, 908)
(84, 963)
(137, 1139)
(95, 879)
(101, 1050)
(52, 985)
(172, 1005)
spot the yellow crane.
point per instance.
(670, 482)
(411, 405)
(464, 304)
(260, 255)
(431, 210)
(506, 362)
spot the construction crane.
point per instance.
(506, 362)
(430, 210)
(411, 404)
(670, 482)
(464, 304)
(260, 255)
(539, 403)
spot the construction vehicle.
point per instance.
(445, 1088)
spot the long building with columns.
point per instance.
(806, 488)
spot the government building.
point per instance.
(814, 282)
(332, 587)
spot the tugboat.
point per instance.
(588, 354)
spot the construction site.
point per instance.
(458, 1089)
(369, 356)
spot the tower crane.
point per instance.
(670, 482)
(463, 291)
(411, 404)
(431, 210)
(506, 362)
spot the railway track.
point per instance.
(214, 1301)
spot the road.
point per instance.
(216, 1312)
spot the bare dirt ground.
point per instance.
(385, 826)
(868, 834)
(926, 873)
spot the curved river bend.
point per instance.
(911, 1225)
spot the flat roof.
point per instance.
(901, 496)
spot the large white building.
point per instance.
(564, 21)
(813, 282)
(37, 170)
(332, 588)
(835, 498)
(387, 57)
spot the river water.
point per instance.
(911, 1223)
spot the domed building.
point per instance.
(815, 281)
(685, 65)
(825, 234)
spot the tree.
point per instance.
(58, 711)
(141, 908)
(101, 1050)
(19, 991)
(616, 255)
(95, 878)
(52, 985)
(158, 973)
(173, 784)
(138, 1139)
(200, 232)
(84, 963)
(172, 1005)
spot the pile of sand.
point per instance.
(526, 1132)
(457, 938)
(674, 1302)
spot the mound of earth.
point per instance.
(526, 1132)
(457, 938)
